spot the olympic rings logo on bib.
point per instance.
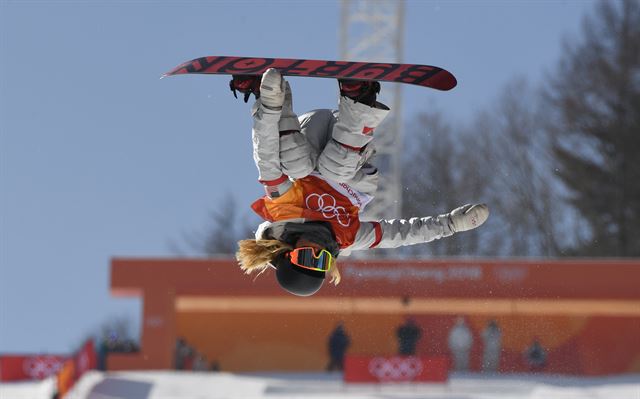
(395, 368)
(326, 204)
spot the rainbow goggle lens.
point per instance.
(308, 258)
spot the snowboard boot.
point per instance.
(245, 84)
(362, 91)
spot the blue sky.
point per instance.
(99, 158)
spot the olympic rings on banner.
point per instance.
(395, 368)
(40, 367)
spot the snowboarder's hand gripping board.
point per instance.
(272, 89)
(421, 75)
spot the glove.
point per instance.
(468, 217)
(272, 89)
(288, 118)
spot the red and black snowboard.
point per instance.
(421, 75)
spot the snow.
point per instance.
(206, 385)
(28, 389)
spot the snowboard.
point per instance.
(415, 74)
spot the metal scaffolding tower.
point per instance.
(372, 30)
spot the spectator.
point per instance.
(200, 362)
(492, 346)
(103, 349)
(215, 365)
(536, 356)
(179, 354)
(189, 357)
(338, 344)
(184, 355)
(460, 342)
(408, 336)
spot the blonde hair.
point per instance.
(256, 255)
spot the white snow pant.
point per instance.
(337, 145)
(350, 145)
(341, 144)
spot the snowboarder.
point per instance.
(317, 177)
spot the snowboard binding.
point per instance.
(246, 84)
(364, 92)
(361, 91)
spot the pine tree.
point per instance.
(595, 98)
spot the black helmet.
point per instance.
(296, 280)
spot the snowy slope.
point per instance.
(44, 389)
(193, 385)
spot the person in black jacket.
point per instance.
(536, 356)
(338, 343)
(408, 336)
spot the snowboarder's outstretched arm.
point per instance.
(400, 232)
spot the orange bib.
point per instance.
(314, 198)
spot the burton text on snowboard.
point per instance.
(421, 75)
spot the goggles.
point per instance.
(308, 258)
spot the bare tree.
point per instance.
(514, 153)
(501, 157)
(226, 225)
(434, 180)
(116, 335)
(224, 229)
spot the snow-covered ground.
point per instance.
(28, 389)
(193, 385)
